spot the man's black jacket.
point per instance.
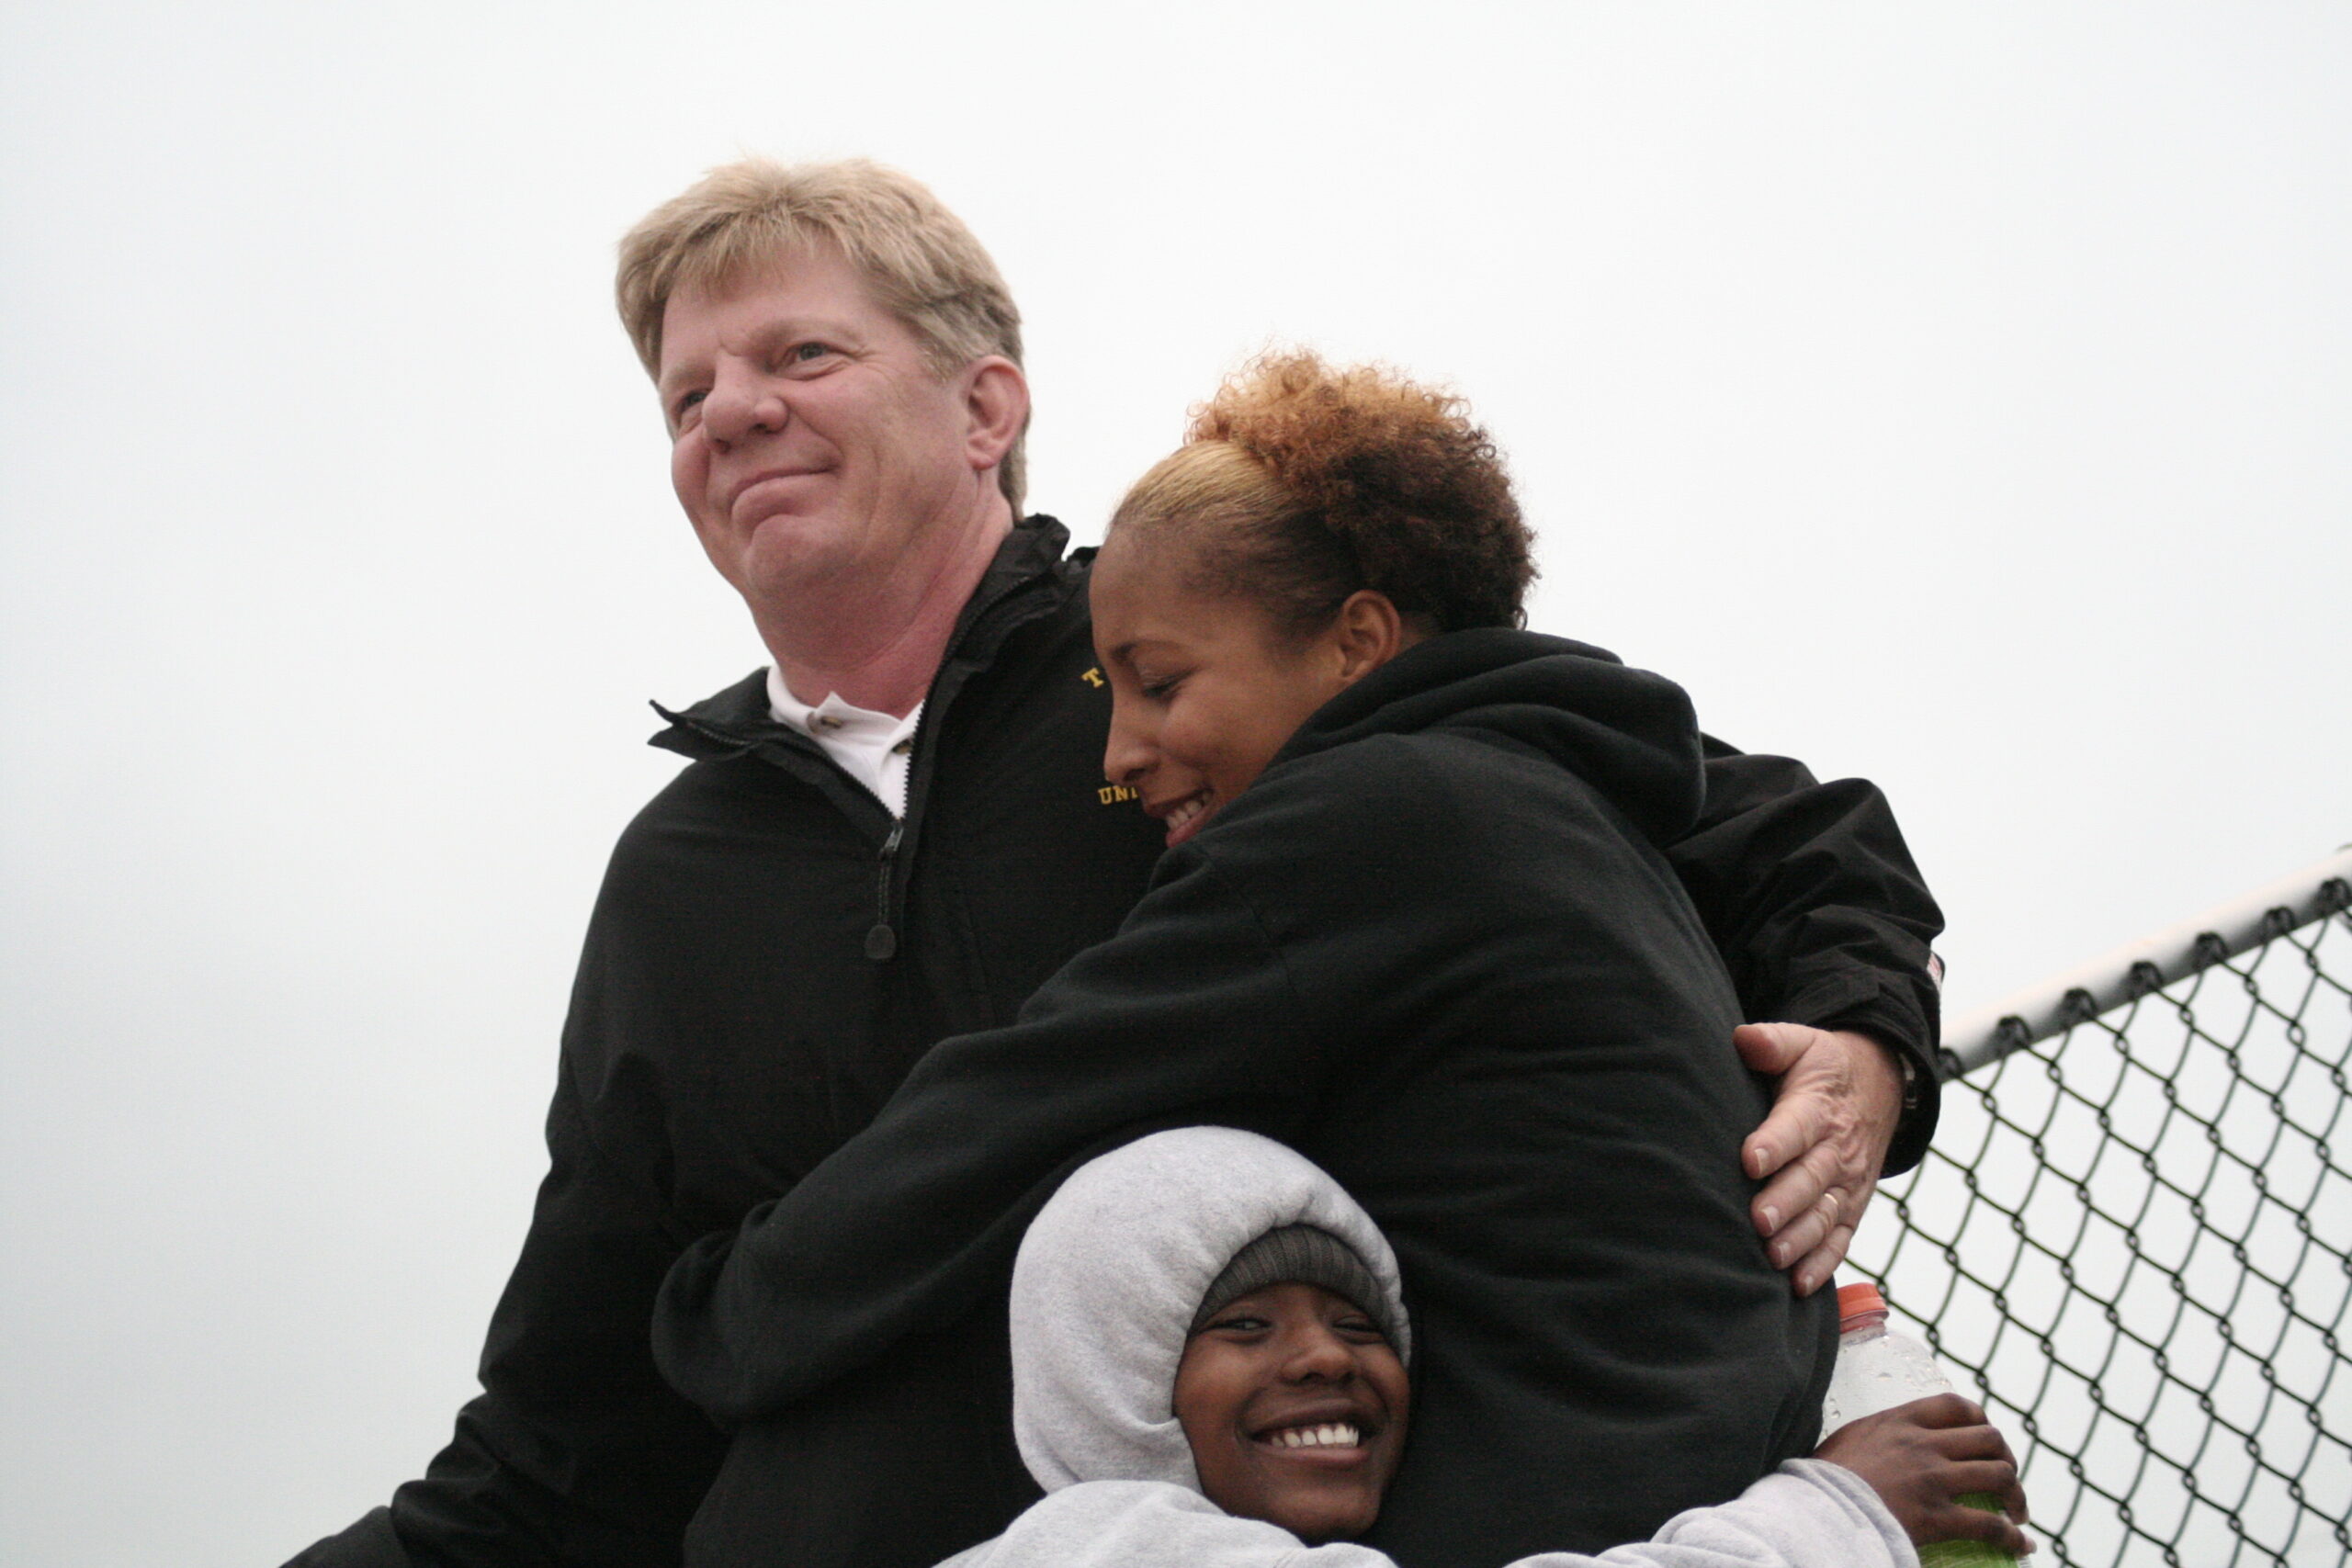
(768, 959)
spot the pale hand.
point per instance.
(1839, 1101)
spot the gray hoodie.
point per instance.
(1103, 1295)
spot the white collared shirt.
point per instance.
(871, 748)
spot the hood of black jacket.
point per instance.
(738, 718)
(1629, 733)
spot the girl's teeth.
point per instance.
(1330, 1435)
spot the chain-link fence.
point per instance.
(2134, 1234)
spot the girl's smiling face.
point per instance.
(1294, 1407)
(1206, 687)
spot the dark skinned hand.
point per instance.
(1920, 1457)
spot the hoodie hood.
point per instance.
(1111, 1272)
(1629, 733)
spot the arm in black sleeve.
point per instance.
(1186, 1016)
(576, 1452)
(1810, 895)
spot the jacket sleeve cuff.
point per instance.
(1898, 1023)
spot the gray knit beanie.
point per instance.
(1306, 1255)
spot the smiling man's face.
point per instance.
(1294, 1407)
(812, 440)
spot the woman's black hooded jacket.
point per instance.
(1438, 947)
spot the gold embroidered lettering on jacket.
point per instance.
(1111, 794)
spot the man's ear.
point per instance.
(996, 409)
(1366, 634)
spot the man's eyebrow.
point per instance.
(676, 373)
(764, 338)
(780, 330)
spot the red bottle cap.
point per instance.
(1856, 1303)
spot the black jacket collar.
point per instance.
(737, 719)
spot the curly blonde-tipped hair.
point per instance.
(922, 265)
(1299, 484)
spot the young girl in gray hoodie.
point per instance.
(1208, 1344)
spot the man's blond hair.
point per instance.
(922, 265)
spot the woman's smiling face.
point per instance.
(1206, 687)
(1294, 1407)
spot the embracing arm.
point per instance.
(1806, 1515)
(1186, 1016)
(1810, 896)
(1809, 1515)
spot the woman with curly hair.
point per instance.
(1316, 522)
(1416, 920)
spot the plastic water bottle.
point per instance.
(1878, 1370)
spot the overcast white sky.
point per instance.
(1952, 395)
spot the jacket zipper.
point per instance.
(882, 937)
(882, 941)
